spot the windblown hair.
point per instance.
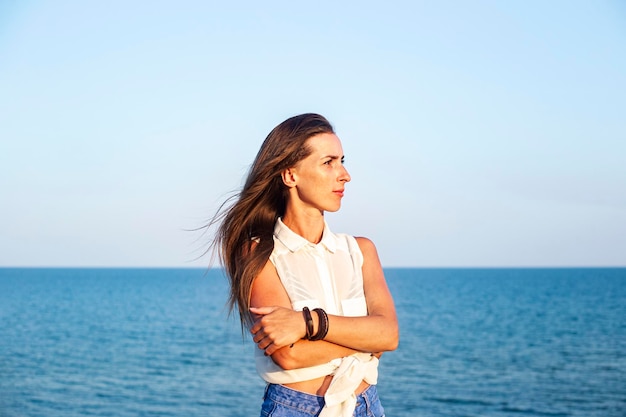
(244, 239)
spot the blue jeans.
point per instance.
(280, 401)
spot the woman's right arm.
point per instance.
(293, 350)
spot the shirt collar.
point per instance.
(295, 242)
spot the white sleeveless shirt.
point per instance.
(327, 275)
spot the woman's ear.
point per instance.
(289, 177)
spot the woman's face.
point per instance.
(319, 179)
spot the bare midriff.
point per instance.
(319, 386)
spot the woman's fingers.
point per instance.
(261, 311)
(265, 343)
(258, 337)
(270, 349)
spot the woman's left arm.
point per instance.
(378, 331)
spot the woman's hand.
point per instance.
(276, 327)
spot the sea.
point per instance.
(160, 342)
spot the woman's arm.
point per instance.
(279, 326)
(281, 334)
(378, 331)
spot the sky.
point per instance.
(477, 134)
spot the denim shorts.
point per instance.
(280, 401)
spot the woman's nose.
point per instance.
(345, 176)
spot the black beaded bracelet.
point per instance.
(308, 320)
(322, 330)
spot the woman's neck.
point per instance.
(308, 225)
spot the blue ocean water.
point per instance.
(157, 342)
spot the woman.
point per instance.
(316, 302)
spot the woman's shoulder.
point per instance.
(366, 245)
(362, 240)
(357, 244)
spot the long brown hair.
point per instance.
(263, 199)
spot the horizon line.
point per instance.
(384, 267)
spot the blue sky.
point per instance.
(486, 133)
